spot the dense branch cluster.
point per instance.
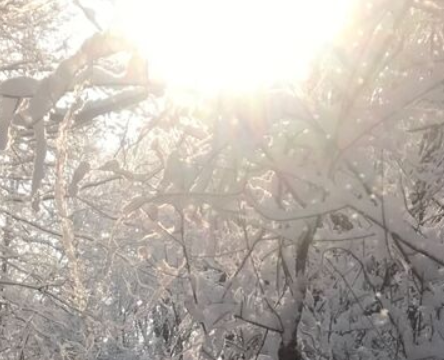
(294, 222)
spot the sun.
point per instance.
(230, 44)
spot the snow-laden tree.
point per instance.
(293, 222)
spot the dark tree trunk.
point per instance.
(289, 351)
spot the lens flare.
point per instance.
(230, 44)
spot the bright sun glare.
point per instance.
(230, 44)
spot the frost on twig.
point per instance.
(68, 236)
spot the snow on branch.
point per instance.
(48, 91)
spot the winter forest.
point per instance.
(288, 209)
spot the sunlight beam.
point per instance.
(230, 44)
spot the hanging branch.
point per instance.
(60, 186)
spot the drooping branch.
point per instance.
(60, 189)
